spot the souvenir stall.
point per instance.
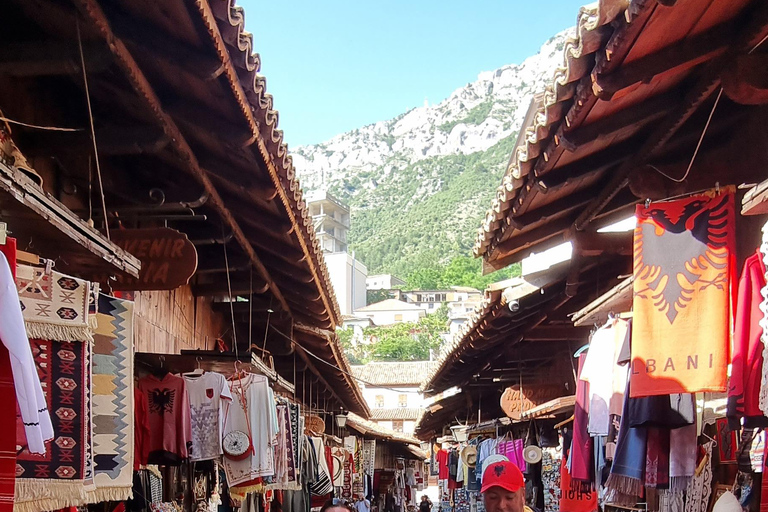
(392, 469)
(529, 440)
(71, 365)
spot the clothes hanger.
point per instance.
(564, 422)
(197, 372)
(160, 372)
(714, 441)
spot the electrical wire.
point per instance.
(39, 127)
(331, 364)
(229, 287)
(93, 131)
(698, 145)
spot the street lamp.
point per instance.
(341, 419)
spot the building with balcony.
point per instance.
(391, 390)
(331, 220)
(383, 282)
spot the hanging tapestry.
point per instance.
(113, 399)
(59, 478)
(727, 441)
(346, 491)
(700, 487)
(369, 456)
(55, 306)
(576, 496)
(683, 274)
(550, 477)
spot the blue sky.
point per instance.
(337, 65)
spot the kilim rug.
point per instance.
(59, 478)
(369, 456)
(112, 399)
(684, 273)
(55, 306)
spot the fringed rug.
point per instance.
(112, 400)
(55, 306)
(60, 478)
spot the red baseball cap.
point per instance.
(502, 474)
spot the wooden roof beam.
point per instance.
(91, 10)
(556, 208)
(557, 333)
(111, 140)
(240, 282)
(48, 58)
(150, 42)
(592, 243)
(510, 251)
(642, 113)
(690, 50)
(703, 89)
(261, 193)
(224, 131)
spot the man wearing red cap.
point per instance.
(503, 488)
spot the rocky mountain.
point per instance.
(419, 184)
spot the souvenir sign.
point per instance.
(515, 400)
(168, 258)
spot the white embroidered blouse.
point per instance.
(29, 393)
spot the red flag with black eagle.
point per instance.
(684, 263)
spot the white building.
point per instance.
(391, 391)
(348, 276)
(331, 220)
(383, 282)
(348, 281)
(459, 299)
(391, 311)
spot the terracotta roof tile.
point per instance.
(396, 413)
(410, 373)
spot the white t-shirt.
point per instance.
(261, 419)
(606, 379)
(206, 393)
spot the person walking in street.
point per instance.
(426, 504)
(362, 504)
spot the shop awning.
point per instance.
(552, 408)
(616, 300)
(373, 430)
(44, 225)
(756, 200)
(523, 324)
(187, 136)
(625, 108)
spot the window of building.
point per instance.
(397, 425)
(398, 317)
(402, 400)
(380, 401)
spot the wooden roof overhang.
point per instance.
(187, 137)
(499, 347)
(460, 408)
(630, 102)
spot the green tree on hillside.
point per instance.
(460, 271)
(407, 341)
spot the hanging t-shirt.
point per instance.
(606, 379)
(169, 425)
(206, 393)
(140, 429)
(259, 420)
(442, 464)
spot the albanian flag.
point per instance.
(684, 269)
